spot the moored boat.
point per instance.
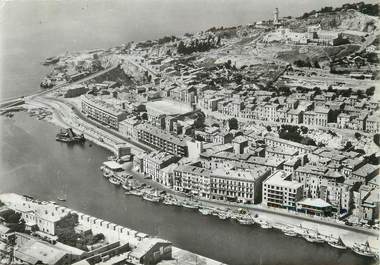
(205, 211)
(115, 181)
(189, 205)
(151, 198)
(363, 250)
(290, 232)
(264, 224)
(126, 187)
(313, 238)
(245, 220)
(134, 192)
(336, 243)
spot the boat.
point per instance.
(189, 205)
(167, 201)
(363, 250)
(245, 220)
(151, 198)
(115, 181)
(51, 60)
(313, 238)
(62, 197)
(336, 243)
(68, 136)
(290, 232)
(107, 174)
(205, 211)
(126, 187)
(223, 215)
(264, 224)
(134, 192)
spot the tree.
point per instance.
(376, 139)
(370, 91)
(233, 124)
(269, 129)
(357, 135)
(144, 116)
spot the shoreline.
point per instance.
(350, 235)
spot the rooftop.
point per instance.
(167, 107)
(279, 178)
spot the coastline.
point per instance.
(278, 219)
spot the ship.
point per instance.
(115, 181)
(313, 238)
(68, 136)
(151, 198)
(205, 211)
(363, 250)
(336, 243)
(51, 60)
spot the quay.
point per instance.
(112, 232)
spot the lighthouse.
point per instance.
(276, 14)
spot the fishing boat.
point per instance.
(135, 193)
(264, 224)
(107, 174)
(223, 216)
(336, 243)
(62, 197)
(313, 238)
(168, 201)
(126, 187)
(363, 250)
(115, 181)
(190, 205)
(245, 220)
(290, 232)
(151, 198)
(205, 211)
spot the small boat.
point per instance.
(265, 224)
(223, 216)
(189, 205)
(245, 220)
(167, 201)
(313, 238)
(126, 187)
(134, 192)
(62, 197)
(107, 174)
(115, 181)
(363, 250)
(290, 232)
(336, 243)
(151, 198)
(205, 211)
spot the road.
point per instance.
(84, 118)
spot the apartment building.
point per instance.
(161, 140)
(101, 111)
(280, 191)
(238, 185)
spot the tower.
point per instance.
(276, 14)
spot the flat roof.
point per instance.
(278, 179)
(112, 165)
(167, 107)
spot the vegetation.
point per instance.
(368, 9)
(292, 133)
(198, 45)
(233, 124)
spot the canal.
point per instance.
(33, 163)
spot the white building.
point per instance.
(280, 191)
